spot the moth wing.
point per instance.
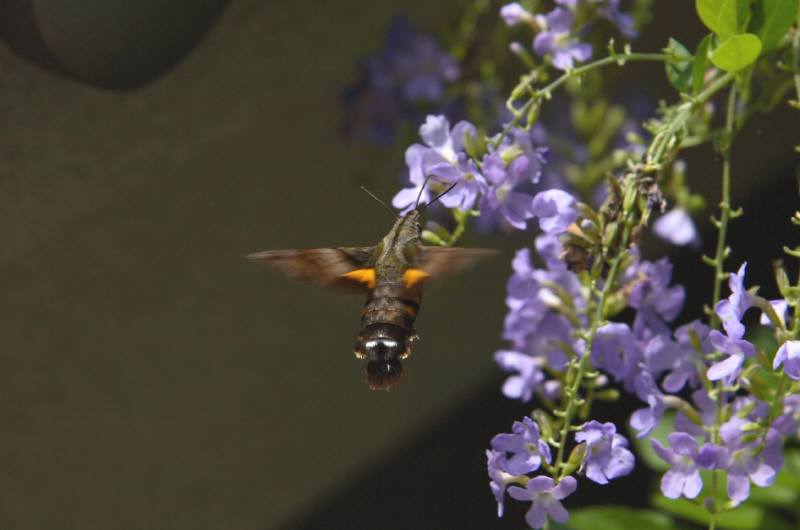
(345, 267)
(447, 261)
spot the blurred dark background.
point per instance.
(155, 379)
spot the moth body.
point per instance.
(392, 273)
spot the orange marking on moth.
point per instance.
(414, 276)
(365, 276)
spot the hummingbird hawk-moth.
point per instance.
(392, 274)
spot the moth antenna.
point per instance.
(365, 190)
(438, 196)
(419, 196)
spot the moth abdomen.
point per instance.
(383, 345)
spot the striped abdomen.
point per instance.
(387, 331)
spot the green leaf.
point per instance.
(679, 66)
(723, 17)
(771, 20)
(775, 495)
(745, 517)
(700, 64)
(618, 518)
(737, 52)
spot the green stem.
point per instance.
(725, 206)
(667, 139)
(719, 259)
(571, 393)
(546, 92)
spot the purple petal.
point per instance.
(462, 129)
(517, 493)
(677, 228)
(726, 368)
(514, 14)
(565, 488)
(666, 454)
(540, 484)
(682, 443)
(556, 210)
(763, 476)
(693, 485)
(781, 307)
(556, 511)
(544, 43)
(738, 487)
(643, 421)
(536, 516)
(713, 456)
(559, 20)
(405, 198)
(581, 51)
(518, 208)
(672, 484)
(435, 132)
(622, 462)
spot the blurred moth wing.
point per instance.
(326, 267)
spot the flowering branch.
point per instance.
(570, 340)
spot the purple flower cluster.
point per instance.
(745, 452)
(410, 72)
(547, 306)
(496, 182)
(516, 455)
(557, 36)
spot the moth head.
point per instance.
(383, 346)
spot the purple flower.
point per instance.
(745, 460)
(788, 355)
(655, 301)
(545, 495)
(677, 228)
(623, 21)
(515, 207)
(607, 455)
(707, 411)
(410, 69)
(514, 14)
(645, 419)
(406, 198)
(528, 377)
(556, 210)
(557, 40)
(737, 349)
(679, 359)
(732, 309)
(443, 160)
(610, 10)
(683, 478)
(781, 307)
(526, 448)
(616, 351)
(499, 479)
(787, 423)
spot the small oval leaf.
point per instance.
(700, 64)
(679, 66)
(723, 17)
(737, 52)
